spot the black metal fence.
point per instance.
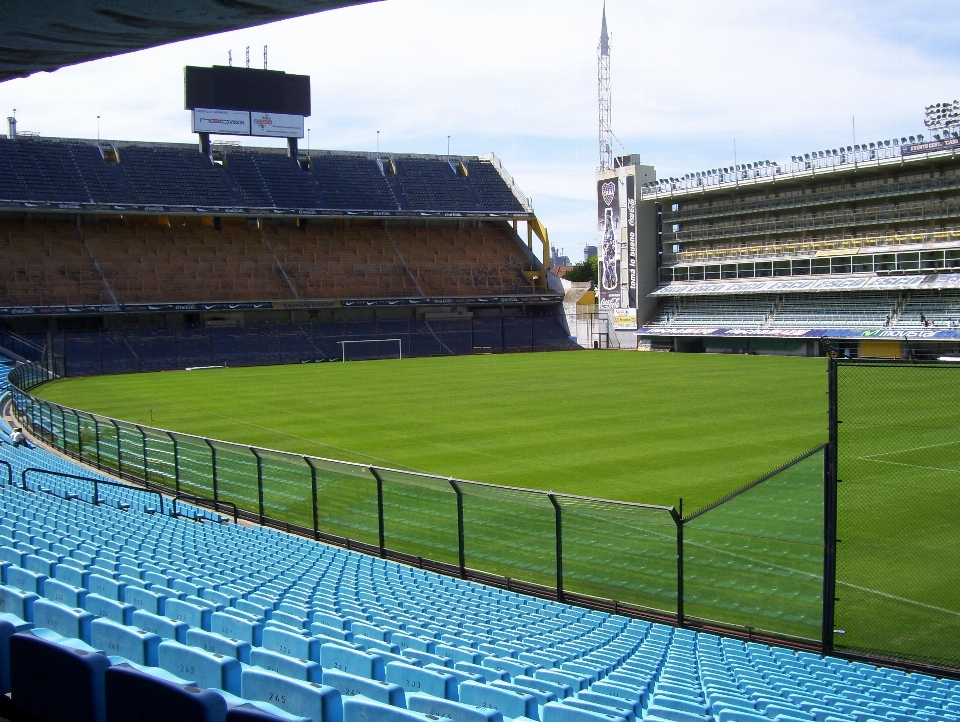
(752, 563)
(897, 430)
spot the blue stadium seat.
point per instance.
(285, 665)
(352, 661)
(417, 679)
(161, 626)
(556, 712)
(217, 644)
(55, 679)
(307, 699)
(136, 693)
(448, 709)
(360, 709)
(509, 703)
(9, 625)
(65, 621)
(207, 669)
(350, 685)
(17, 602)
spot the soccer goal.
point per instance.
(372, 348)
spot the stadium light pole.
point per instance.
(448, 147)
(98, 128)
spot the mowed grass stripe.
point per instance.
(631, 426)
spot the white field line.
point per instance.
(842, 583)
(915, 448)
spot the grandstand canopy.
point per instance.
(44, 35)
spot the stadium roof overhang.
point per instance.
(44, 35)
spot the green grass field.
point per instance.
(627, 426)
(630, 426)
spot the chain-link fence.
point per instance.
(752, 562)
(898, 511)
(755, 558)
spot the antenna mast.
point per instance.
(604, 95)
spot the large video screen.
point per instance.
(229, 88)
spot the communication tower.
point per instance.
(603, 92)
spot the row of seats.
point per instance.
(49, 264)
(169, 174)
(814, 310)
(118, 613)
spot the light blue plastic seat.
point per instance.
(230, 625)
(17, 602)
(206, 668)
(162, 626)
(360, 709)
(426, 681)
(487, 673)
(352, 661)
(288, 666)
(66, 621)
(448, 709)
(508, 703)
(350, 685)
(628, 714)
(25, 581)
(105, 587)
(291, 644)
(119, 640)
(557, 712)
(188, 613)
(315, 701)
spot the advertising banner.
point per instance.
(625, 319)
(275, 125)
(929, 146)
(925, 334)
(221, 122)
(608, 243)
(632, 244)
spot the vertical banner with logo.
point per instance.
(632, 241)
(608, 243)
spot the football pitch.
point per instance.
(641, 427)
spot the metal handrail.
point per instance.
(97, 483)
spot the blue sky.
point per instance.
(518, 77)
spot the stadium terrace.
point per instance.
(852, 244)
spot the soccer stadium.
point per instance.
(281, 435)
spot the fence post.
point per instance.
(259, 482)
(313, 491)
(79, 435)
(379, 509)
(96, 433)
(63, 426)
(213, 463)
(678, 519)
(119, 449)
(830, 482)
(176, 465)
(143, 440)
(559, 536)
(44, 432)
(463, 565)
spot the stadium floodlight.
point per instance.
(942, 116)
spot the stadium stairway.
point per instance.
(110, 612)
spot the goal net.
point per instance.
(373, 348)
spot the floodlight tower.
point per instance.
(942, 116)
(604, 95)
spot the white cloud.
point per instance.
(518, 77)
